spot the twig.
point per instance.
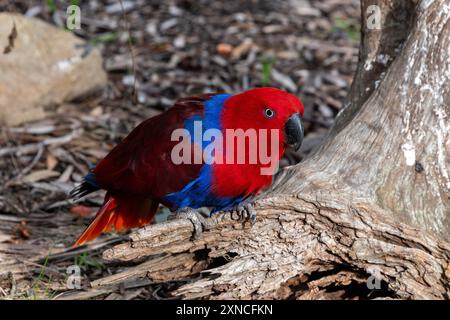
(32, 147)
(27, 169)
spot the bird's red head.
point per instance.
(266, 108)
(271, 120)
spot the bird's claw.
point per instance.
(244, 212)
(197, 219)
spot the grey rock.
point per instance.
(44, 67)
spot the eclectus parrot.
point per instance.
(213, 151)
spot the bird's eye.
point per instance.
(269, 113)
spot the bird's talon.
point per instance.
(244, 212)
(197, 220)
(233, 216)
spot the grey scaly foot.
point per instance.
(245, 211)
(197, 218)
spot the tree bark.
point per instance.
(367, 215)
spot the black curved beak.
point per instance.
(294, 131)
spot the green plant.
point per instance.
(40, 289)
(104, 38)
(349, 26)
(85, 261)
(267, 63)
(51, 5)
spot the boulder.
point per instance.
(41, 66)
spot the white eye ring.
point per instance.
(269, 113)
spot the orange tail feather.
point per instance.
(122, 213)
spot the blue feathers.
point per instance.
(87, 186)
(198, 194)
(210, 120)
(90, 179)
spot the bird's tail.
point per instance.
(122, 213)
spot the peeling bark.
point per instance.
(371, 204)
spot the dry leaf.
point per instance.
(51, 162)
(97, 111)
(242, 49)
(224, 49)
(40, 175)
(81, 211)
(24, 230)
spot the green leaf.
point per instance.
(51, 4)
(266, 71)
(104, 38)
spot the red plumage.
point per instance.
(122, 213)
(135, 166)
(247, 177)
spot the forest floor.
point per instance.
(180, 48)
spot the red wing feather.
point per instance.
(122, 213)
(141, 163)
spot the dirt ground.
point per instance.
(154, 53)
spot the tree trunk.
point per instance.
(367, 215)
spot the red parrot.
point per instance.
(204, 152)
